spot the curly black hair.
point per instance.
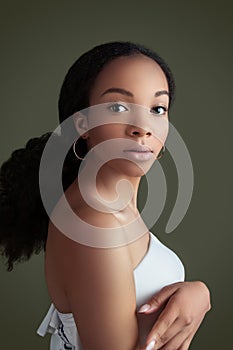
(23, 219)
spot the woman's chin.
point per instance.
(130, 168)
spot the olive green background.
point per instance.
(39, 41)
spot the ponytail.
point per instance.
(23, 219)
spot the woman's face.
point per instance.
(130, 81)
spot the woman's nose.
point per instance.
(135, 131)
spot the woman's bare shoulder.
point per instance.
(67, 260)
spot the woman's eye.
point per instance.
(159, 110)
(118, 108)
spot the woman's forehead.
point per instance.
(132, 73)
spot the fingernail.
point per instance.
(151, 345)
(144, 308)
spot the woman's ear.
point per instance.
(80, 122)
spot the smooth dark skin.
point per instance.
(141, 81)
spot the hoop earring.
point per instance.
(76, 154)
(161, 152)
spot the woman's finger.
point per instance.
(177, 327)
(180, 342)
(186, 344)
(159, 299)
(163, 323)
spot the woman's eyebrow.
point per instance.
(162, 92)
(118, 90)
(128, 93)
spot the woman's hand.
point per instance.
(184, 306)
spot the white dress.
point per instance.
(159, 267)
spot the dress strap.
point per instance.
(50, 323)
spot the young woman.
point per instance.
(115, 93)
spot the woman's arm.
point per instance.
(185, 305)
(99, 285)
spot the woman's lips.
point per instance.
(139, 153)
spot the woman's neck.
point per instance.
(108, 187)
(113, 185)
